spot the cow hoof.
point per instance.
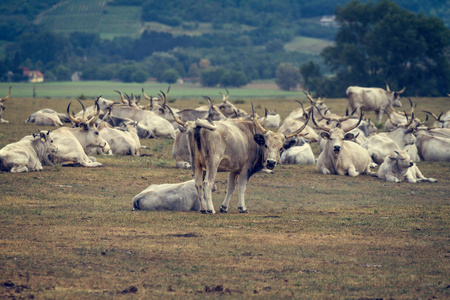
(223, 209)
(203, 211)
(242, 211)
(210, 212)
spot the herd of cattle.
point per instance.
(223, 138)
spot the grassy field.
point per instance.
(93, 89)
(71, 232)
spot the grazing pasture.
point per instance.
(70, 232)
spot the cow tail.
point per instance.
(197, 137)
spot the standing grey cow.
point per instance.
(239, 147)
(172, 197)
(372, 99)
(341, 156)
(2, 106)
(28, 154)
(399, 167)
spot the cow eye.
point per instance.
(96, 133)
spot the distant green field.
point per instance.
(69, 16)
(93, 16)
(307, 45)
(92, 89)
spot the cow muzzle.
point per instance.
(270, 164)
(337, 149)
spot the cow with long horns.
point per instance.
(341, 156)
(72, 142)
(372, 99)
(240, 147)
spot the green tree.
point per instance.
(383, 42)
(212, 76)
(170, 76)
(312, 76)
(233, 79)
(287, 76)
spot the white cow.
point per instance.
(172, 197)
(299, 152)
(341, 156)
(442, 121)
(122, 141)
(271, 119)
(385, 143)
(372, 99)
(399, 167)
(73, 142)
(46, 117)
(2, 106)
(432, 148)
(28, 154)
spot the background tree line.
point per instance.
(374, 42)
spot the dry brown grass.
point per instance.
(71, 232)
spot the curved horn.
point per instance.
(431, 114)
(303, 108)
(95, 117)
(317, 125)
(402, 90)
(387, 87)
(320, 113)
(145, 96)
(410, 121)
(175, 117)
(308, 95)
(128, 99)
(289, 135)
(72, 119)
(164, 97)
(356, 125)
(209, 101)
(225, 98)
(121, 97)
(7, 97)
(84, 111)
(390, 119)
(256, 122)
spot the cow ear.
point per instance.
(259, 139)
(349, 136)
(393, 157)
(325, 135)
(84, 127)
(289, 144)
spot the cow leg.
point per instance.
(19, 169)
(211, 172)
(379, 115)
(415, 170)
(242, 186)
(230, 189)
(352, 171)
(198, 176)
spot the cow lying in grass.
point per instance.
(28, 154)
(399, 167)
(172, 197)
